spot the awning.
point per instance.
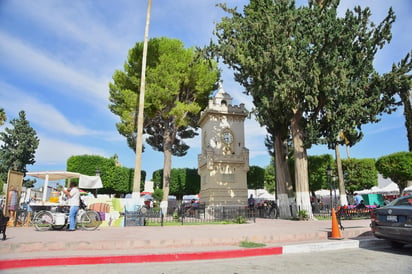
(53, 175)
(88, 182)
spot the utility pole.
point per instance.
(139, 136)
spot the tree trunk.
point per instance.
(342, 190)
(167, 165)
(301, 166)
(139, 135)
(316, 207)
(347, 151)
(282, 177)
(168, 140)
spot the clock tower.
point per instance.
(224, 161)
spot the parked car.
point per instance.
(394, 221)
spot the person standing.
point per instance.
(74, 202)
(12, 203)
(358, 199)
(251, 205)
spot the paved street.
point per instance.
(380, 259)
(161, 249)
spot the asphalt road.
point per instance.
(380, 259)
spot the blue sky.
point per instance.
(57, 58)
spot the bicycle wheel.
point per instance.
(43, 220)
(90, 220)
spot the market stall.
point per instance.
(48, 176)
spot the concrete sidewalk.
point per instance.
(107, 241)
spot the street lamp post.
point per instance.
(329, 173)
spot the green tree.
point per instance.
(178, 84)
(277, 142)
(296, 63)
(397, 167)
(183, 181)
(270, 178)
(116, 179)
(18, 148)
(400, 80)
(3, 116)
(318, 174)
(158, 194)
(255, 177)
(359, 174)
(318, 166)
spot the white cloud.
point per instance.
(41, 114)
(54, 152)
(77, 21)
(42, 68)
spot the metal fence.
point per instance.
(187, 216)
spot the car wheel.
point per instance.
(395, 244)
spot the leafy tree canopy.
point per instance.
(397, 167)
(270, 177)
(183, 181)
(255, 177)
(116, 179)
(178, 84)
(359, 174)
(318, 166)
(308, 66)
(18, 148)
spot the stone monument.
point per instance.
(224, 161)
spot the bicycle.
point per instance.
(85, 219)
(22, 213)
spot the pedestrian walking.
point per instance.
(12, 203)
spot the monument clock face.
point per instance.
(227, 138)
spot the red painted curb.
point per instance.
(9, 264)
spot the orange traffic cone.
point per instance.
(336, 235)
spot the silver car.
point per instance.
(394, 221)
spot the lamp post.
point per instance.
(329, 173)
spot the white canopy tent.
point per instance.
(391, 189)
(89, 182)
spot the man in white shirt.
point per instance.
(74, 201)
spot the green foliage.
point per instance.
(3, 116)
(157, 178)
(397, 167)
(270, 178)
(1, 186)
(183, 181)
(115, 179)
(246, 244)
(318, 166)
(400, 80)
(303, 215)
(158, 194)
(240, 220)
(18, 148)
(178, 83)
(359, 174)
(255, 177)
(309, 66)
